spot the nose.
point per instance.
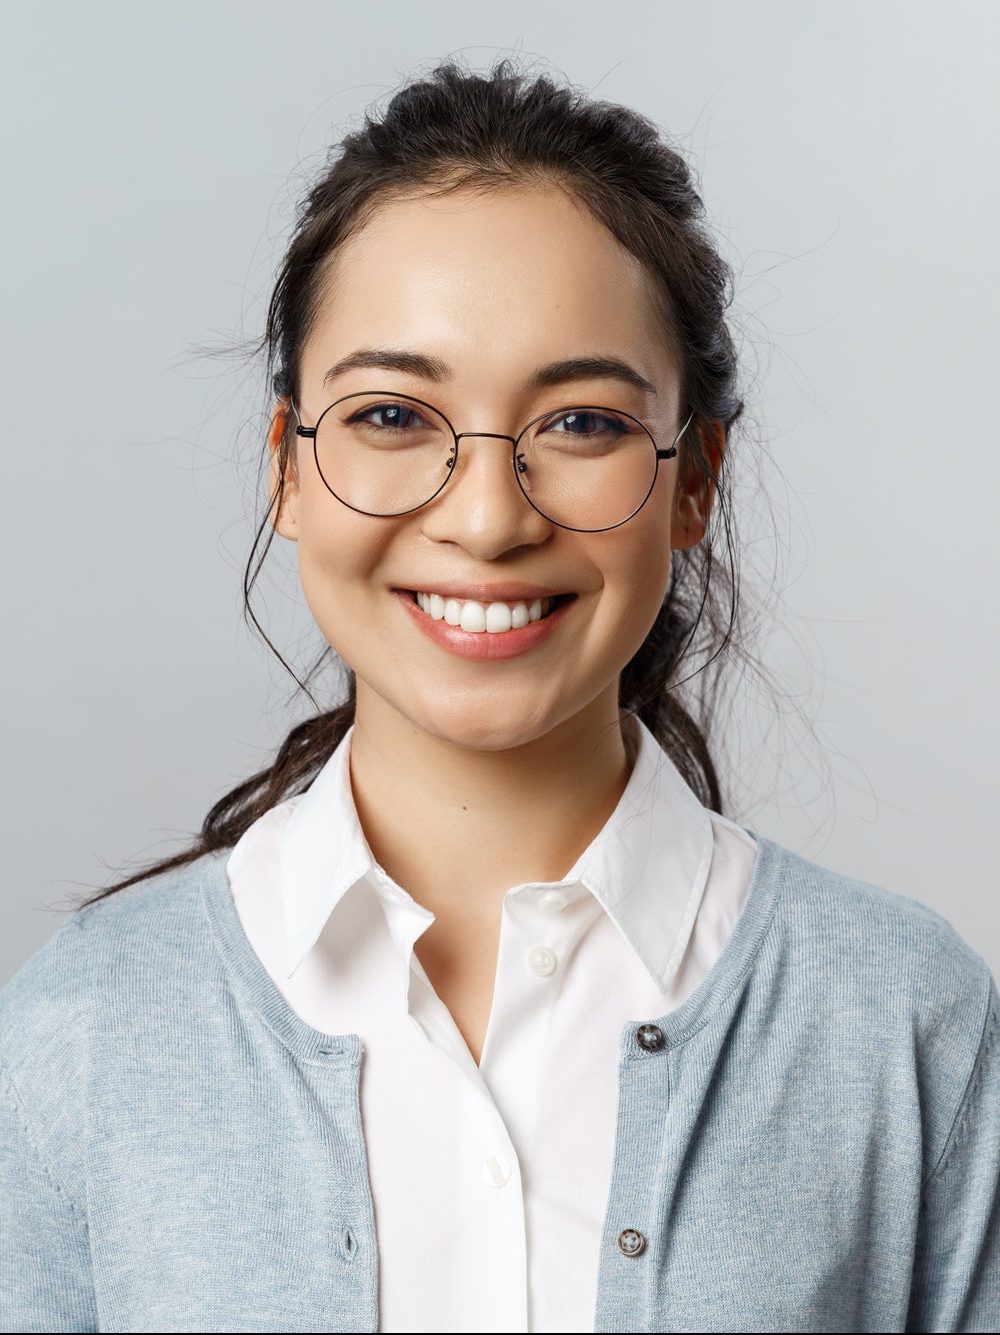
(482, 508)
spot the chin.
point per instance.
(485, 724)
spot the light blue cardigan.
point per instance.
(814, 1145)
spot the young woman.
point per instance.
(472, 1012)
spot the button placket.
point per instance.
(651, 1038)
(635, 1221)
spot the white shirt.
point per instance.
(490, 1182)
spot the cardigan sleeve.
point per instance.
(45, 1275)
(956, 1278)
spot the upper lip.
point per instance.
(487, 593)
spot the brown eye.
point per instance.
(583, 424)
(398, 416)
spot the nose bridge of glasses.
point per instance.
(491, 435)
(488, 435)
(487, 462)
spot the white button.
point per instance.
(552, 901)
(496, 1171)
(541, 960)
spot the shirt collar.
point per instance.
(323, 854)
(647, 867)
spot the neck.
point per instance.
(457, 827)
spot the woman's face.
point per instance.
(491, 287)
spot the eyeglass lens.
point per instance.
(585, 468)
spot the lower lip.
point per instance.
(483, 644)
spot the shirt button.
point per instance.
(650, 1037)
(552, 901)
(541, 960)
(496, 1171)
(631, 1242)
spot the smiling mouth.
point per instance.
(490, 618)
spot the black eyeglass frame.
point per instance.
(312, 433)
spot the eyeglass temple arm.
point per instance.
(669, 454)
(300, 430)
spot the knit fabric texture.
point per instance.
(810, 1142)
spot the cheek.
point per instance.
(337, 552)
(636, 567)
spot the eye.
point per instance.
(586, 422)
(398, 416)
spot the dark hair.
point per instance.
(453, 129)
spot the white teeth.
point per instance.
(493, 618)
(498, 618)
(473, 616)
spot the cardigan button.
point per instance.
(631, 1242)
(650, 1037)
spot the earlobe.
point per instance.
(689, 521)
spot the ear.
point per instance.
(286, 522)
(694, 494)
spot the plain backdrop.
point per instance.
(153, 155)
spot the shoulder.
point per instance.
(141, 940)
(75, 1019)
(897, 984)
(886, 937)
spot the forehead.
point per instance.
(499, 280)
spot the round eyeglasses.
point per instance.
(584, 468)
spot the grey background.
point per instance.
(848, 159)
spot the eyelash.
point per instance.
(363, 413)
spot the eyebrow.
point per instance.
(434, 369)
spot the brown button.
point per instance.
(650, 1037)
(631, 1242)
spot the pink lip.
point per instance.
(488, 593)
(483, 645)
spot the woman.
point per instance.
(472, 1011)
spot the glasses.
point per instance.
(584, 468)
